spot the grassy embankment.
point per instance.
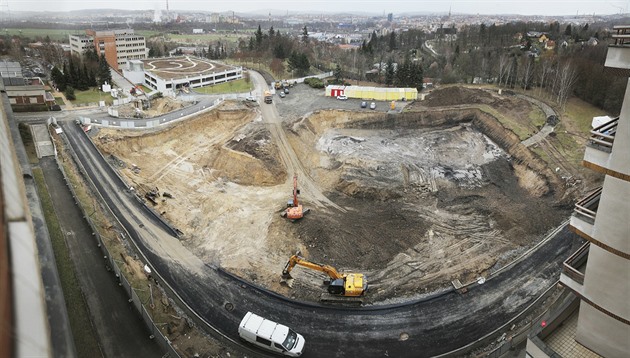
(83, 333)
(238, 86)
(91, 96)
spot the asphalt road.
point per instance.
(415, 329)
(120, 329)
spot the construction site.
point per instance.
(441, 192)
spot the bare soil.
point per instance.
(422, 197)
(157, 107)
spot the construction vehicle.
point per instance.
(342, 287)
(294, 210)
(268, 97)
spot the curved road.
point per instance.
(414, 329)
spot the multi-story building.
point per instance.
(597, 322)
(118, 46)
(24, 94)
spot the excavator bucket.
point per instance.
(287, 280)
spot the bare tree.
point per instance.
(504, 62)
(528, 71)
(567, 77)
(544, 69)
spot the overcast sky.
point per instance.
(523, 7)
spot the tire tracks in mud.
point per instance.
(307, 185)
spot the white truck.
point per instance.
(270, 335)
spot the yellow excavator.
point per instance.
(341, 285)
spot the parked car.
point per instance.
(372, 105)
(250, 98)
(364, 104)
(342, 97)
(286, 90)
(272, 336)
(281, 94)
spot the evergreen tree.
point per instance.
(92, 79)
(82, 78)
(259, 37)
(104, 75)
(271, 32)
(338, 74)
(392, 41)
(567, 30)
(304, 35)
(299, 63)
(58, 78)
(389, 72)
(403, 75)
(69, 93)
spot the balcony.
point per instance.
(599, 147)
(618, 56)
(583, 217)
(575, 266)
(573, 269)
(603, 137)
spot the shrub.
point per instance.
(70, 93)
(314, 82)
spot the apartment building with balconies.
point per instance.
(598, 274)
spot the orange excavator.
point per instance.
(294, 210)
(342, 287)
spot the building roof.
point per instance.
(182, 67)
(10, 69)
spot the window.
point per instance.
(263, 341)
(32, 100)
(12, 100)
(279, 346)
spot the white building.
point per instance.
(171, 74)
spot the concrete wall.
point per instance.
(606, 281)
(611, 222)
(602, 334)
(619, 160)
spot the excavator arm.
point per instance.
(298, 260)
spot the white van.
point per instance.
(271, 335)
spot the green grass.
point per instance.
(147, 33)
(581, 114)
(205, 39)
(82, 330)
(54, 34)
(27, 139)
(237, 86)
(146, 89)
(571, 147)
(91, 96)
(57, 34)
(537, 117)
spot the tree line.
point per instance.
(91, 70)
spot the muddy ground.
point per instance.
(425, 196)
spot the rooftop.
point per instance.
(182, 67)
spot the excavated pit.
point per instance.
(423, 197)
